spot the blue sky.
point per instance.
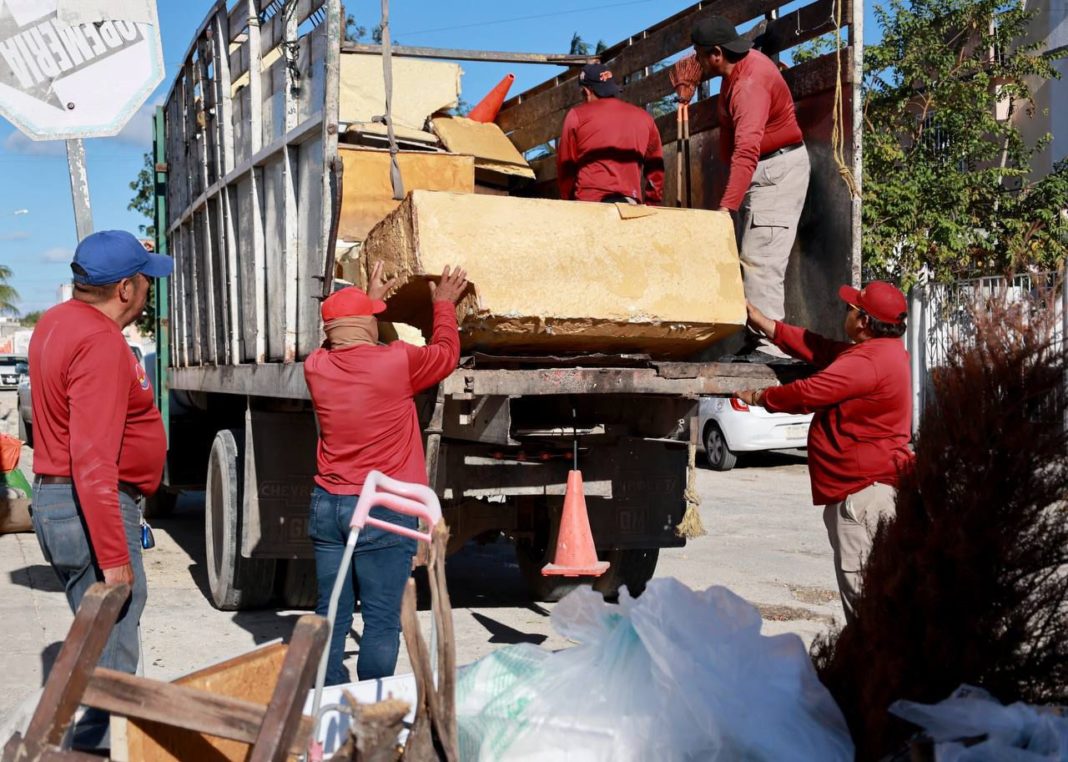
(37, 236)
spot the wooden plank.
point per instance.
(271, 34)
(807, 79)
(281, 722)
(646, 51)
(175, 705)
(97, 613)
(251, 676)
(813, 20)
(716, 378)
(458, 54)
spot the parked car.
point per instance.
(26, 405)
(10, 370)
(729, 426)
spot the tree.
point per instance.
(357, 33)
(947, 179)
(579, 47)
(29, 320)
(9, 297)
(144, 201)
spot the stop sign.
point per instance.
(76, 69)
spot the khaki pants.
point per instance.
(766, 229)
(851, 525)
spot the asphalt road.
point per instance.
(765, 541)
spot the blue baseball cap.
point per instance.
(111, 255)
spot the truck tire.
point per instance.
(719, 456)
(235, 582)
(632, 568)
(300, 589)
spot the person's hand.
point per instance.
(724, 210)
(379, 287)
(119, 575)
(451, 287)
(758, 321)
(753, 397)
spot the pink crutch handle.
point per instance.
(402, 497)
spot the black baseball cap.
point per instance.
(600, 80)
(716, 31)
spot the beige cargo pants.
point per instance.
(766, 227)
(851, 525)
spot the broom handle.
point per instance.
(686, 150)
(678, 153)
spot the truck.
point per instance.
(252, 179)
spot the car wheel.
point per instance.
(720, 457)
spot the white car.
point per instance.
(729, 426)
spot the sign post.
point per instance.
(73, 69)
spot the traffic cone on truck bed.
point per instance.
(487, 108)
(575, 554)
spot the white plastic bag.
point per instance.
(674, 675)
(1016, 733)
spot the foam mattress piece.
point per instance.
(553, 276)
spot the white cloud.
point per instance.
(57, 254)
(16, 142)
(138, 131)
(20, 212)
(17, 235)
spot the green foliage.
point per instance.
(357, 33)
(579, 47)
(144, 201)
(9, 297)
(947, 185)
(813, 49)
(29, 320)
(144, 198)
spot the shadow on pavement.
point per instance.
(502, 633)
(36, 577)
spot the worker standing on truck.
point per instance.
(767, 163)
(607, 145)
(858, 442)
(99, 443)
(363, 393)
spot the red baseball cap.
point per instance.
(350, 302)
(882, 300)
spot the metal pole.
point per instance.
(79, 188)
(916, 353)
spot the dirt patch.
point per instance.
(778, 613)
(813, 595)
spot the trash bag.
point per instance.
(1017, 732)
(674, 675)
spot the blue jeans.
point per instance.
(380, 568)
(64, 540)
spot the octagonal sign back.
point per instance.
(77, 69)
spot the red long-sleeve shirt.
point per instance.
(756, 116)
(604, 147)
(364, 399)
(862, 401)
(94, 418)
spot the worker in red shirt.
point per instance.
(861, 397)
(363, 393)
(99, 444)
(607, 145)
(767, 164)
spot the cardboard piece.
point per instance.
(564, 276)
(492, 149)
(367, 193)
(420, 89)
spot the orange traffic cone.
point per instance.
(487, 108)
(575, 554)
